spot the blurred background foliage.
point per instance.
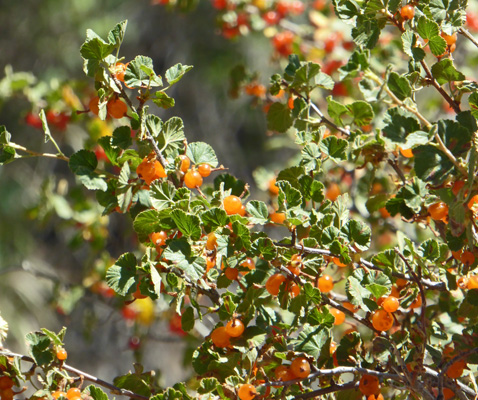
(47, 242)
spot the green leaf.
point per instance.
(279, 117)
(188, 224)
(444, 71)
(83, 162)
(334, 147)
(201, 153)
(116, 35)
(121, 276)
(122, 137)
(257, 211)
(187, 319)
(140, 73)
(162, 195)
(176, 72)
(163, 100)
(399, 86)
(96, 49)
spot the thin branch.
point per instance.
(114, 389)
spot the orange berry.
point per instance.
(472, 282)
(231, 273)
(248, 263)
(93, 105)
(300, 367)
(369, 385)
(235, 328)
(204, 170)
(5, 382)
(273, 188)
(417, 302)
(438, 211)
(325, 283)
(273, 284)
(116, 108)
(247, 392)
(61, 354)
(390, 304)
(192, 179)
(185, 163)
(449, 39)
(338, 315)
(456, 369)
(332, 192)
(407, 153)
(232, 204)
(382, 320)
(158, 238)
(467, 258)
(407, 12)
(219, 337)
(73, 392)
(277, 217)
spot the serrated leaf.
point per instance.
(188, 224)
(176, 72)
(257, 211)
(140, 73)
(279, 117)
(399, 86)
(444, 71)
(201, 153)
(121, 276)
(163, 100)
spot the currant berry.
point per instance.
(248, 263)
(235, 328)
(185, 163)
(159, 238)
(472, 282)
(204, 170)
(438, 211)
(116, 108)
(390, 304)
(231, 273)
(247, 392)
(5, 382)
(61, 354)
(232, 204)
(407, 12)
(211, 242)
(338, 315)
(325, 283)
(300, 367)
(193, 179)
(219, 337)
(369, 385)
(73, 392)
(273, 284)
(382, 321)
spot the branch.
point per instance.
(114, 389)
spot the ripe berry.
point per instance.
(407, 12)
(231, 273)
(193, 179)
(390, 304)
(5, 382)
(116, 108)
(369, 385)
(300, 367)
(472, 282)
(185, 163)
(382, 321)
(438, 211)
(232, 205)
(235, 327)
(325, 283)
(61, 354)
(204, 170)
(273, 284)
(247, 392)
(159, 238)
(248, 263)
(338, 315)
(219, 337)
(332, 192)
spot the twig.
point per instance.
(114, 389)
